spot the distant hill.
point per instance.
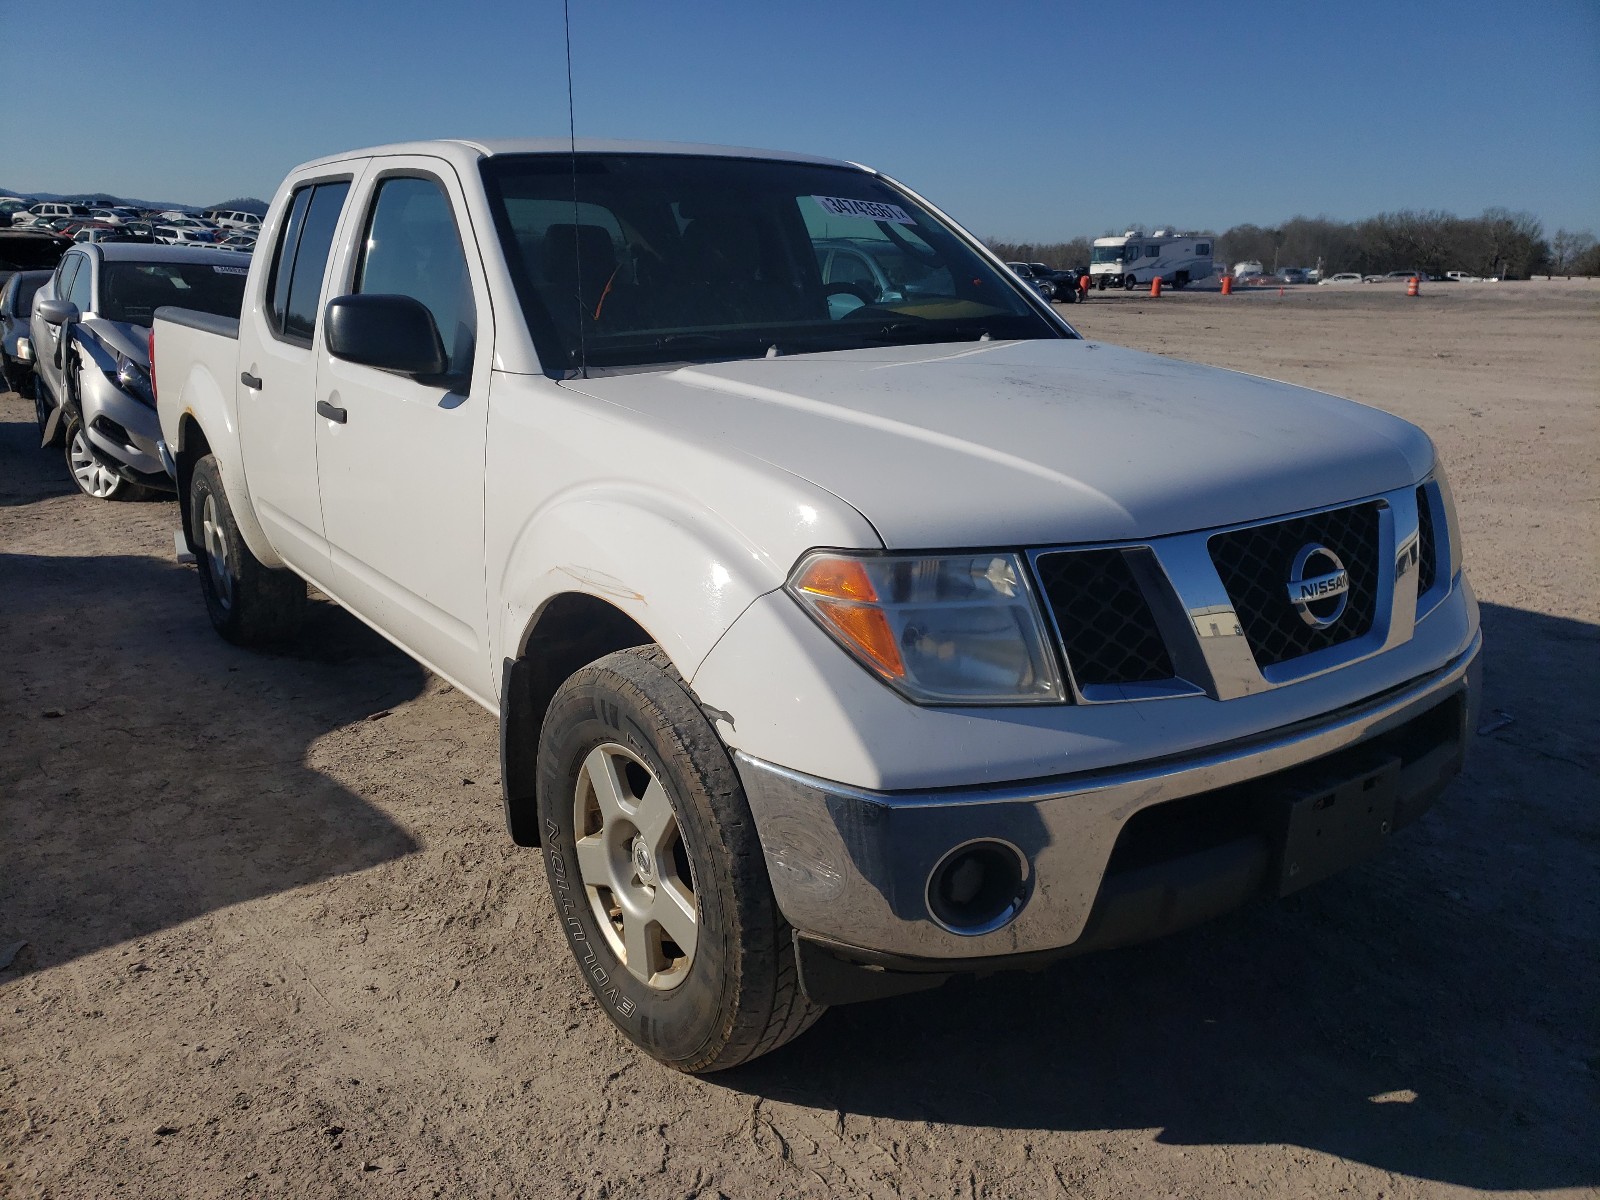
(247, 204)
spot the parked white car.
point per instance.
(40, 215)
(1341, 278)
(225, 218)
(186, 235)
(834, 652)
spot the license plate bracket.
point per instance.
(1328, 826)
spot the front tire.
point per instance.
(94, 480)
(250, 604)
(657, 874)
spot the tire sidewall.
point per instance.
(206, 483)
(686, 1024)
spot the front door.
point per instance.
(400, 460)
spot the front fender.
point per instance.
(681, 574)
(203, 408)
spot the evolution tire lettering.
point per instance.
(574, 927)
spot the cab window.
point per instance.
(294, 287)
(412, 248)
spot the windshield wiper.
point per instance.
(924, 331)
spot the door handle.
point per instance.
(253, 382)
(337, 415)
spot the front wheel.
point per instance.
(657, 874)
(249, 603)
(94, 480)
(1130, 282)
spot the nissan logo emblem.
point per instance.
(1319, 586)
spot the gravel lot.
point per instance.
(278, 943)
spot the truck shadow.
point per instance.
(151, 773)
(1430, 1013)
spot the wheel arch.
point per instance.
(192, 447)
(569, 632)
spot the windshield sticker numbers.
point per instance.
(872, 210)
(231, 270)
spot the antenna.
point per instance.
(577, 242)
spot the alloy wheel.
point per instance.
(215, 542)
(635, 867)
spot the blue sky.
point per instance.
(1024, 120)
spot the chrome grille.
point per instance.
(1107, 629)
(1254, 565)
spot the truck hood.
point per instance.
(1036, 442)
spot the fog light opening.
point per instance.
(978, 887)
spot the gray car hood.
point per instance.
(133, 341)
(1033, 443)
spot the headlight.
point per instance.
(24, 350)
(133, 379)
(1452, 524)
(957, 629)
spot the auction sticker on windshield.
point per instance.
(231, 270)
(873, 210)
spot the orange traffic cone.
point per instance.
(1227, 285)
(1155, 286)
(1280, 291)
(1414, 286)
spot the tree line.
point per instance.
(1497, 242)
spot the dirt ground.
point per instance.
(279, 944)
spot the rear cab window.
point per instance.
(300, 259)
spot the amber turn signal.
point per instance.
(842, 595)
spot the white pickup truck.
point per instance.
(845, 633)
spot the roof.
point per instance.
(157, 252)
(467, 149)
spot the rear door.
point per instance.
(276, 387)
(400, 465)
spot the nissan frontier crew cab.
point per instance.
(845, 632)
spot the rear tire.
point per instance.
(250, 604)
(657, 874)
(42, 408)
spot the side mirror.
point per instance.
(59, 312)
(391, 333)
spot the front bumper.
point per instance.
(850, 867)
(123, 435)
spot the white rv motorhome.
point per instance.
(1136, 258)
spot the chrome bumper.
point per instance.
(850, 866)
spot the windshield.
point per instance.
(132, 291)
(1107, 254)
(634, 259)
